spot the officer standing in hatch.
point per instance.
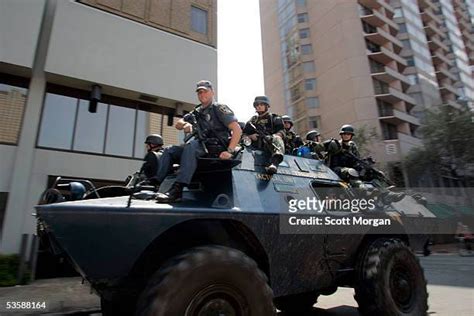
(269, 133)
(154, 147)
(216, 122)
(292, 140)
(343, 152)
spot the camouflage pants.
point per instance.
(276, 146)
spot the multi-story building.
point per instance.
(53, 53)
(372, 63)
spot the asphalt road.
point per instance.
(450, 286)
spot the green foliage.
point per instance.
(364, 135)
(8, 270)
(447, 138)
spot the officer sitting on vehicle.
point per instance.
(266, 130)
(154, 147)
(342, 153)
(313, 148)
(292, 140)
(215, 122)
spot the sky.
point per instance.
(239, 55)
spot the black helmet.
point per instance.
(288, 119)
(346, 129)
(154, 139)
(311, 135)
(261, 99)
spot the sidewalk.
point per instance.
(61, 296)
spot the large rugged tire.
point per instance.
(296, 304)
(210, 280)
(390, 281)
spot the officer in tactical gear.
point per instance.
(313, 148)
(154, 147)
(269, 133)
(215, 123)
(292, 140)
(342, 153)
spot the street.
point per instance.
(450, 286)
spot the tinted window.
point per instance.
(57, 123)
(90, 128)
(120, 131)
(199, 20)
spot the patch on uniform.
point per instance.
(225, 109)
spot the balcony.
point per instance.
(439, 58)
(381, 37)
(432, 29)
(408, 142)
(453, 104)
(397, 117)
(424, 4)
(427, 16)
(464, 25)
(461, 14)
(377, 19)
(434, 44)
(385, 56)
(392, 95)
(388, 75)
(377, 4)
(443, 73)
(446, 88)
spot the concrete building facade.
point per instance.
(375, 64)
(145, 59)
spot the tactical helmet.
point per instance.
(311, 135)
(154, 139)
(261, 99)
(346, 129)
(286, 119)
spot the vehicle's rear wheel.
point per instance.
(390, 281)
(210, 280)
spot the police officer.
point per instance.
(269, 134)
(313, 143)
(292, 140)
(343, 152)
(154, 147)
(216, 121)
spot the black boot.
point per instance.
(174, 194)
(274, 162)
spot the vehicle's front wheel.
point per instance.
(210, 280)
(390, 281)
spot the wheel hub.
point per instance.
(401, 287)
(217, 300)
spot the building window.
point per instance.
(398, 13)
(368, 29)
(198, 20)
(12, 104)
(308, 66)
(310, 84)
(372, 47)
(389, 131)
(302, 17)
(385, 109)
(304, 33)
(406, 43)
(402, 28)
(312, 102)
(306, 49)
(410, 61)
(3, 207)
(314, 122)
(113, 130)
(413, 79)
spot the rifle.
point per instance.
(367, 170)
(250, 129)
(197, 132)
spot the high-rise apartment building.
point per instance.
(372, 63)
(145, 55)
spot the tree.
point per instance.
(363, 137)
(448, 146)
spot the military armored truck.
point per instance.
(230, 248)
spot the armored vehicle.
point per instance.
(233, 245)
